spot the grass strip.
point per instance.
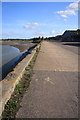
(13, 104)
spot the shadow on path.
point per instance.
(72, 44)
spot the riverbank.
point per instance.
(8, 67)
(7, 86)
(13, 104)
(21, 45)
(9, 62)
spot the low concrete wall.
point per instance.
(7, 85)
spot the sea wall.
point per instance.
(8, 67)
(7, 85)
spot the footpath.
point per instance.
(53, 91)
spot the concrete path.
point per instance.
(53, 91)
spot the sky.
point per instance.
(32, 19)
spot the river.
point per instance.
(8, 53)
(10, 57)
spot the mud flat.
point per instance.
(8, 67)
(21, 45)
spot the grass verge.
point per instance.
(13, 104)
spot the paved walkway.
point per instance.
(54, 87)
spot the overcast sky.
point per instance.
(32, 19)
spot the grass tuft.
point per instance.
(13, 104)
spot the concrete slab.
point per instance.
(8, 84)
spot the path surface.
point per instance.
(53, 91)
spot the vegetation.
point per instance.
(56, 38)
(71, 36)
(14, 39)
(34, 40)
(13, 103)
(37, 40)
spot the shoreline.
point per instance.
(24, 83)
(13, 63)
(7, 85)
(21, 45)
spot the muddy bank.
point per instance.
(25, 48)
(8, 67)
(12, 79)
(21, 45)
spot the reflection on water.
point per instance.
(20, 44)
(16, 43)
(11, 58)
(8, 53)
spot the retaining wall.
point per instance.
(7, 85)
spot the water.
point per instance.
(11, 56)
(20, 44)
(8, 53)
(16, 43)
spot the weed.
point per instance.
(13, 103)
(27, 68)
